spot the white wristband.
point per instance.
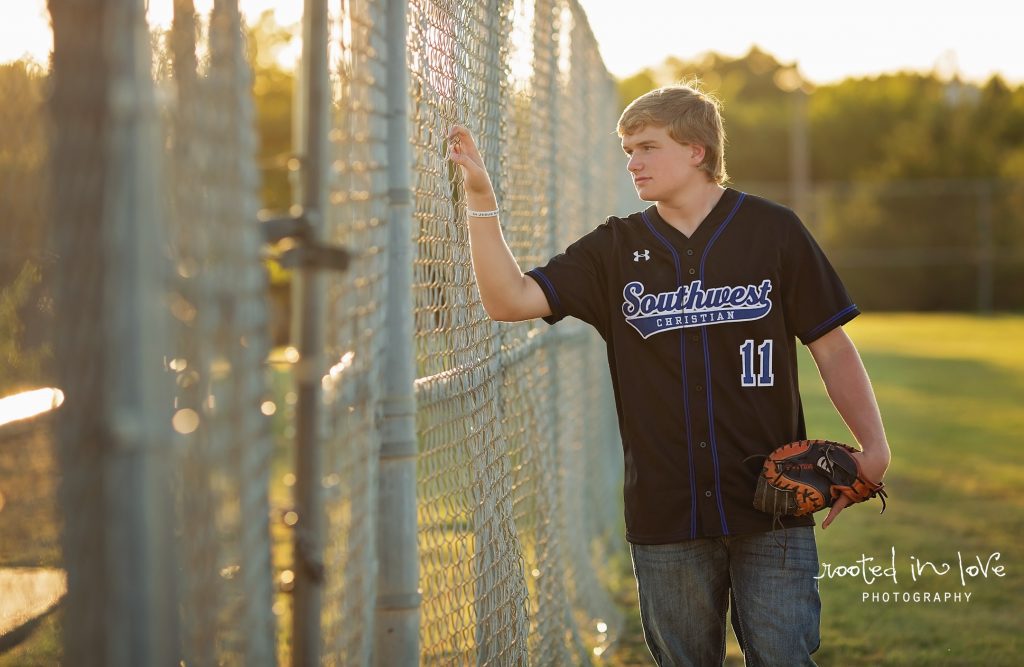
(482, 214)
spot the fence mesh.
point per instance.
(505, 547)
(162, 281)
(218, 299)
(356, 219)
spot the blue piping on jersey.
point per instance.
(686, 392)
(707, 368)
(718, 232)
(558, 302)
(813, 333)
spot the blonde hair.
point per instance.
(691, 116)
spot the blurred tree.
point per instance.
(924, 157)
(24, 183)
(634, 86)
(22, 359)
(274, 92)
(273, 88)
(23, 176)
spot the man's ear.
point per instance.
(696, 154)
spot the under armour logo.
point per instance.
(645, 255)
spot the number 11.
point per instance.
(764, 354)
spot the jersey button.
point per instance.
(700, 387)
(703, 445)
(694, 337)
(689, 251)
(707, 494)
(692, 271)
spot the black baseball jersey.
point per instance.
(701, 338)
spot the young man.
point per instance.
(700, 299)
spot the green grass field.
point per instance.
(950, 388)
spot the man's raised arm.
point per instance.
(507, 295)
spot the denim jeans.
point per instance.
(686, 588)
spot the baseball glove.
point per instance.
(808, 475)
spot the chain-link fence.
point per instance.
(512, 426)
(219, 296)
(157, 489)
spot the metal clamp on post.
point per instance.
(304, 252)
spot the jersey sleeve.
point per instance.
(815, 301)
(574, 280)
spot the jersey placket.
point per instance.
(690, 255)
(712, 504)
(696, 371)
(684, 388)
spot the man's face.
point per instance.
(660, 165)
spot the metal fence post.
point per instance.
(396, 626)
(114, 429)
(799, 153)
(986, 249)
(309, 575)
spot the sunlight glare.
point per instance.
(330, 381)
(185, 421)
(826, 42)
(565, 28)
(29, 404)
(521, 52)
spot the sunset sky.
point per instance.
(828, 40)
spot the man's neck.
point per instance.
(688, 209)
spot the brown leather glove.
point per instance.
(808, 475)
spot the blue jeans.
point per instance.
(686, 588)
